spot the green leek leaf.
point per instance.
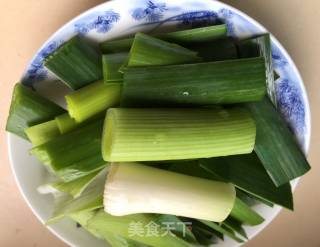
(276, 146)
(235, 169)
(196, 35)
(76, 63)
(147, 50)
(28, 109)
(200, 84)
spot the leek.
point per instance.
(76, 63)
(206, 236)
(92, 100)
(261, 46)
(133, 188)
(235, 226)
(111, 64)
(171, 134)
(77, 186)
(90, 199)
(235, 169)
(225, 82)
(28, 109)
(105, 224)
(147, 50)
(83, 219)
(217, 50)
(42, 133)
(276, 145)
(195, 35)
(243, 213)
(74, 154)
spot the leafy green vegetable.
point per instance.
(224, 82)
(76, 63)
(28, 109)
(195, 35)
(90, 199)
(74, 154)
(217, 50)
(276, 146)
(105, 223)
(147, 50)
(260, 46)
(243, 213)
(77, 186)
(235, 169)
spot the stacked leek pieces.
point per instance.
(175, 127)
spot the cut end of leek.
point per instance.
(42, 133)
(92, 100)
(133, 188)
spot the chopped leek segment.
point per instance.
(92, 100)
(134, 188)
(42, 133)
(76, 63)
(225, 231)
(195, 35)
(111, 64)
(243, 213)
(217, 50)
(261, 46)
(105, 224)
(74, 154)
(90, 199)
(276, 146)
(235, 169)
(77, 186)
(172, 134)
(225, 82)
(147, 50)
(28, 109)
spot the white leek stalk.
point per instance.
(133, 188)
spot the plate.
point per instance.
(121, 18)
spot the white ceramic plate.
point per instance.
(123, 17)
